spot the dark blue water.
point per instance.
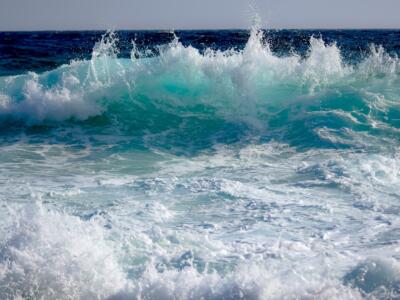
(43, 51)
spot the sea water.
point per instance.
(200, 165)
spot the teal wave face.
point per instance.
(185, 96)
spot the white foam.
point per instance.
(46, 254)
(58, 103)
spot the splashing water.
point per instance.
(202, 174)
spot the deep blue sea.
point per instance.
(236, 164)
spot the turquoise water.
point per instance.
(214, 174)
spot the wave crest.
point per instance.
(252, 88)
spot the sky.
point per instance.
(196, 14)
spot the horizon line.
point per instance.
(199, 29)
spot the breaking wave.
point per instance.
(241, 91)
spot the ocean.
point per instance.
(233, 164)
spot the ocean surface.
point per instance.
(245, 164)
